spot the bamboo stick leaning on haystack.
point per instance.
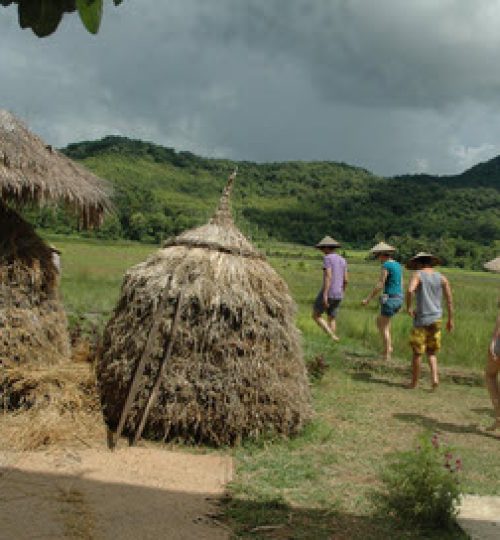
(236, 367)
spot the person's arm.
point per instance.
(449, 303)
(346, 280)
(327, 281)
(410, 293)
(494, 337)
(378, 287)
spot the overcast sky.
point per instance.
(393, 86)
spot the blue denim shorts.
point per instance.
(333, 305)
(390, 305)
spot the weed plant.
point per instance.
(422, 486)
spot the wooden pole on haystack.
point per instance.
(113, 437)
(161, 370)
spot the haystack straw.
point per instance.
(48, 405)
(236, 368)
(33, 172)
(33, 325)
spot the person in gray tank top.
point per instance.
(427, 286)
(493, 364)
(492, 371)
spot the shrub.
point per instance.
(422, 486)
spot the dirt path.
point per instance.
(94, 494)
(480, 517)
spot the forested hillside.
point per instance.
(160, 192)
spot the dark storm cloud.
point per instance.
(387, 53)
(392, 86)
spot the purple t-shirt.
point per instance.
(339, 266)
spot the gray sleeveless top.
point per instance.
(428, 294)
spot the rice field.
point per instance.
(93, 271)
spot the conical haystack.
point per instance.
(236, 367)
(33, 326)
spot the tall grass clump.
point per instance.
(422, 486)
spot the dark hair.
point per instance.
(425, 261)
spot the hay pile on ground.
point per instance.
(236, 368)
(33, 325)
(52, 404)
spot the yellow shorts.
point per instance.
(426, 338)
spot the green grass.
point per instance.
(318, 485)
(475, 298)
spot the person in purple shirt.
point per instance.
(334, 284)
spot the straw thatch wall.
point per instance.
(33, 326)
(236, 368)
(33, 172)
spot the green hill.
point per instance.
(160, 192)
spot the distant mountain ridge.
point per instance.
(160, 191)
(483, 174)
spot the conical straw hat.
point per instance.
(382, 247)
(412, 264)
(494, 265)
(32, 171)
(328, 241)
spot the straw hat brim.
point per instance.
(382, 248)
(328, 241)
(412, 264)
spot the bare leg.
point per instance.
(384, 327)
(415, 375)
(332, 322)
(434, 369)
(324, 325)
(491, 379)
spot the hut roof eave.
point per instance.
(33, 172)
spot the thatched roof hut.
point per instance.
(33, 326)
(493, 265)
(32, 171)
(236, 367)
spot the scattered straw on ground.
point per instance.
(48, 405)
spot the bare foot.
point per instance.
(335, 337)
(410, 386)
(434, 386)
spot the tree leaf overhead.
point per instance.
(44, 16)
(90, 12)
